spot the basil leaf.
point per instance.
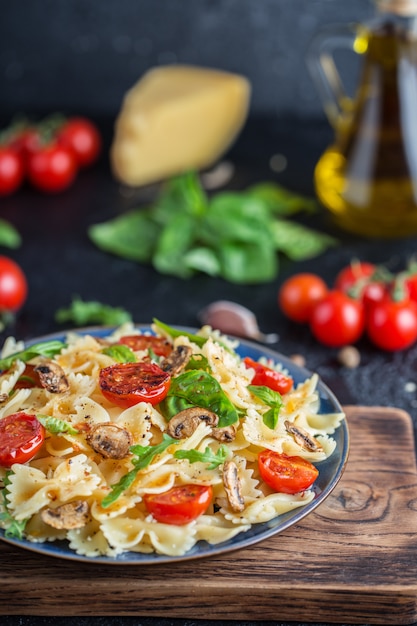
(270, 398)
(175, 332)
(248, 264)
(208, 456)
(55, 425)
(145, 455)
(281, 201)
(203, 259)
(174, 241)
(47, 349)
(298, 242)
(120, 353)
(9, 236)
(199, 388)
(90, 312)
(14, 528)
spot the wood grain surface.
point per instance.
(353, 560)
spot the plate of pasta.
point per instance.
(148, 443)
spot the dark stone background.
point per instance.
(82, 55)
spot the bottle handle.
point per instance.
(323, 70)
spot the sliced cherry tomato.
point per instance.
(52, 168)
(180, 505)
(21, 436)
(338, 320)
(159, 345)
(83, 138)
(391, 324)
(267, 377)
(13, 285)
(286, 474)
(299, 294)
(127, 384)
(349, 276)
(28, 379)
(12, 170)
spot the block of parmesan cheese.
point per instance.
(177, 118)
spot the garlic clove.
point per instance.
(234, 319)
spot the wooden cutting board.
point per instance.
(353, 560)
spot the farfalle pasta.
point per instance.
(104, 465)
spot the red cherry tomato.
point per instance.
(52, 168)
(159, 345)
(13, 285)
(411, 285)
(127, 384)
(180, 505)
(12, 171)
(392, 325)
(267, 377)
(299, 294)
(26, 141)
(83, 138)
(21, 436)
(286, 474)
(349, 276)
(337, 320)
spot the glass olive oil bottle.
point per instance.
(368, 177)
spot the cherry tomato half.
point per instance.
(83, 138)
(159, 345)
(52, 168)
(267, 377)
(127, 384)
(392, 325)
(13, 285)
(299, 294)
(180, 505)
(286, 474)
(12, 170)
(337, 320)
(21, 436)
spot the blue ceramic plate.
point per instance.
(331, 471)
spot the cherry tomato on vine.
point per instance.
(391, 324)
(13, 285)
(26, 141)
(21, 436)
(12, 170)
(180, 505)
(268, 377)
(52, 168)
(410, 283)
(159, 345)
(127, 384)
(286, 474)
(349, 276)
(83, 138)
(337, 320)
(299, 294)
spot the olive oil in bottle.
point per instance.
(368, 177)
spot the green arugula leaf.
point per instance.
(9, 236)
(175, 332)
(199, 388)
(81, 313)
(208, 456)
(144, 456)
(120, 353)
(55, 425)
(14, 528)
(47, 349)
(270, 398)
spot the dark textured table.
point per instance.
(60, 262)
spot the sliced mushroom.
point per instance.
(67, 516)
(232, 486)
(110, 440)
(303, 438)
(175, 362)
(52, 377)
(186, 422)
(225, 434)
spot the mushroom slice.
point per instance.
(225, 434)
(232, 486)
(52, 377)
(67, 516)
(184, 423)
(110, 440)
(175, 362)
(303, 438)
